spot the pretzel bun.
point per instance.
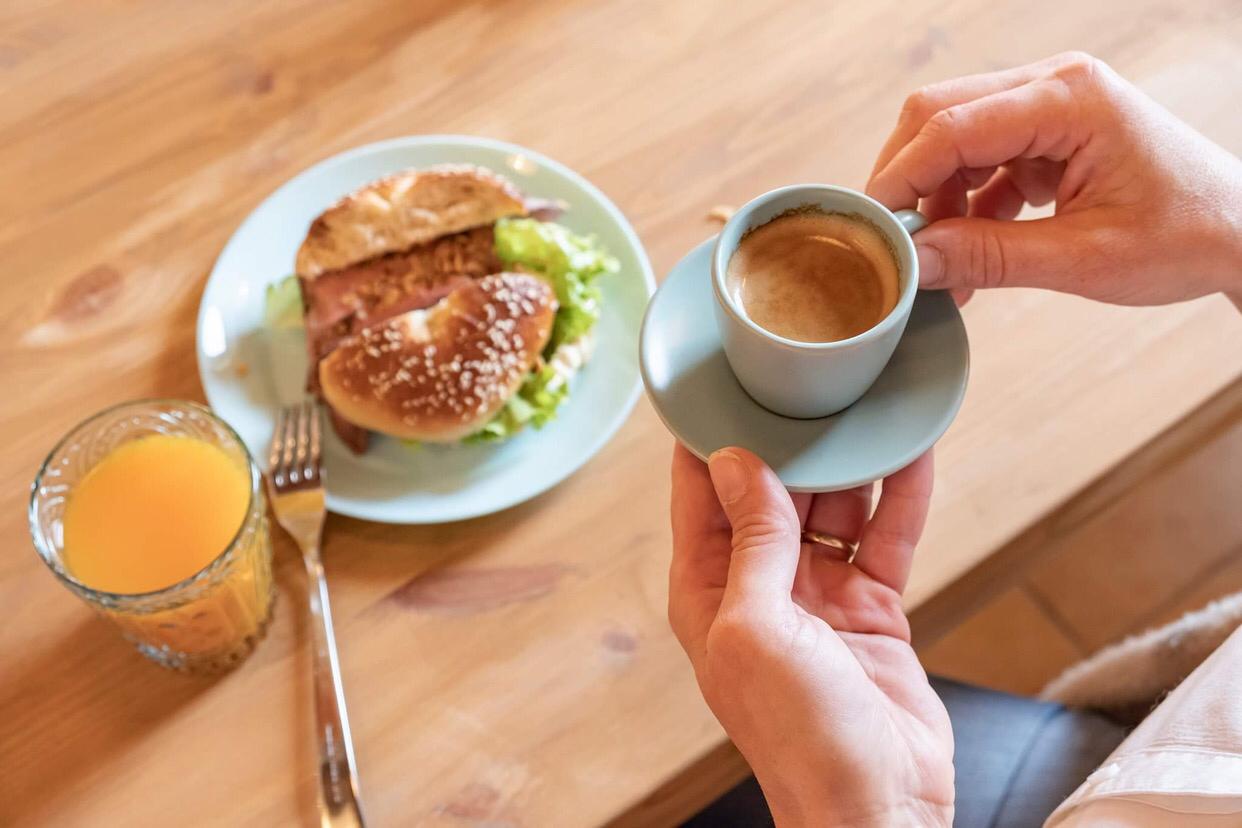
(441, 373)
(406, 209)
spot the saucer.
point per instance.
(901, 416)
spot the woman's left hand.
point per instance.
(806, 659)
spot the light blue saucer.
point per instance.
(900, 417)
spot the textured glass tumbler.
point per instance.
(212, 619)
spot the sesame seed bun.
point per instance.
(410, 208)
(442, 373)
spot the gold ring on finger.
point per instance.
(832, 542)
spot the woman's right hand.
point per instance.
(1148, 211)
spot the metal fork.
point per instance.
(295, 481)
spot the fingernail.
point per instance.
(931, 263)
(728, 475)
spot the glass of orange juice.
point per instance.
(153, 513)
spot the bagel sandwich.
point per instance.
(440, 305)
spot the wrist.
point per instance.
(1218, 266)
(1233, 270)
(922, 814)
(822, 804)
(1231, 253)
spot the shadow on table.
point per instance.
(291, 610)
(385, 554)
(73, 707)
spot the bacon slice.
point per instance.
(341, 303)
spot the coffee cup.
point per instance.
(798, 378)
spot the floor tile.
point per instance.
(1010, 645)
(1224, 579)
(1119, 568)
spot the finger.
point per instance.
(700, 528)
(766, 536)
(949, 201)
(999, 199)
(923, 104)
(842, 514)
(1030, 121)
(951, 198)
(1031, 181)
(700, 565)
(1053, 253)
(961, 295)
(802, 505)
(976, 177)
(1037, 179)
(888, 540)
(820, 569)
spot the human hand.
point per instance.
(1147, 210)
(806, 659)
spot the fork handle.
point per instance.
(338, 775)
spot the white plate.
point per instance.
(248, 371)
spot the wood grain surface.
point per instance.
(514, 670)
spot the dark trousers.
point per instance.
(1015, 759)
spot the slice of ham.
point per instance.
(354, 436)
(341, 303)
(337, 321)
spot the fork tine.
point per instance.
(303, 440)
(288, 442)
(294, 457)
(312, 440)
(316, 457)
(273, 453)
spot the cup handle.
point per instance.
(912, 220)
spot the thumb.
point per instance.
(987, 253)
(766, 530)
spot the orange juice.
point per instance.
(152, 513)
(155, 511)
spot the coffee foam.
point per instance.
(812, 276)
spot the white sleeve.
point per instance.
(1138, 813)
(1182, 766)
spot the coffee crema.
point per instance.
(814, 277)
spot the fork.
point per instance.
(295, 482)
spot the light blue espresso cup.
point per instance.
(812, 379)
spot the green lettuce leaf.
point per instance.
(282, 306)
(534, 403)
(571, 263)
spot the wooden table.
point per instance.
(517, 669)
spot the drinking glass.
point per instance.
(205, 623)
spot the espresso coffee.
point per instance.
(814, 277)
